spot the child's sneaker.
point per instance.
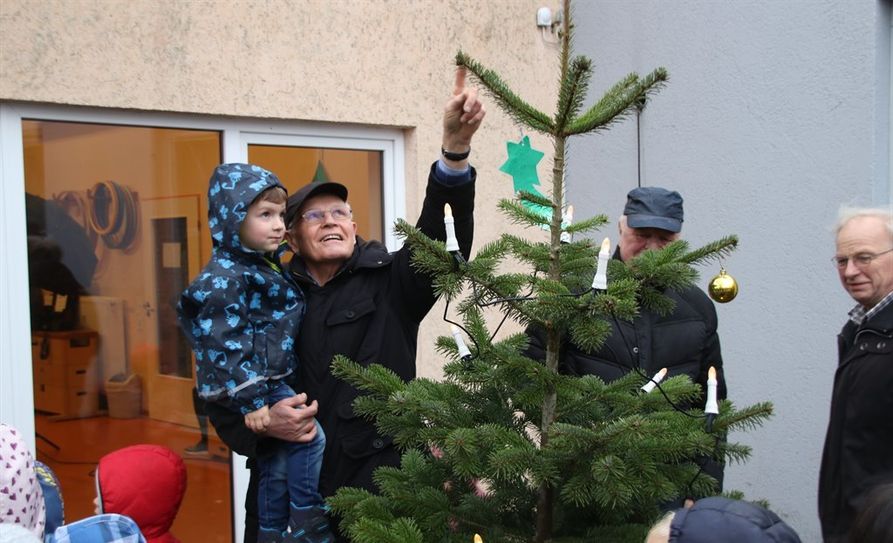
(310, 525)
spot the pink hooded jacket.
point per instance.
(21, 500)
(146, 483)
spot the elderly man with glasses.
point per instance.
(858, 453)
(363, 303)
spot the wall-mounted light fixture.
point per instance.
(546, 19)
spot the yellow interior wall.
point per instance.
(360, 171)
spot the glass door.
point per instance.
(114, 217)
(109, 211)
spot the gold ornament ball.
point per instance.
(723, 288)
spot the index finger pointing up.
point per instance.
(459, 85)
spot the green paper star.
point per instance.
(521, 165)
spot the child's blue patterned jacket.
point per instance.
(241, 313)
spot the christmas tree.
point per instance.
(506, 446)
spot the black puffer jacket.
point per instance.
(684, 341)
(369, 312)
(858, 451)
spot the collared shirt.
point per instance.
(451, 177)
(859, 314)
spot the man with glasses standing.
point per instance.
(858, 451)
(362, 302)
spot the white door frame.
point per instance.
(16, 396)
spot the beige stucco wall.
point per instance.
(362, 61)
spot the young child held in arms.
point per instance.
(241, 315)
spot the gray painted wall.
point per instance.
(775, 114)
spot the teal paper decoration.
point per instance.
(521, 165)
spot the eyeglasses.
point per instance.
(860, 260)
(338, 213)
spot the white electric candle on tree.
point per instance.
(464, 353)
(452, 244)
(600, 281)
(711, 407)
(658, 377)
(567, 237)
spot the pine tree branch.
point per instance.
(618, 102)
(521, 214)
(592, 223)
(572, 92)
(712, 251)
(746, 418)
(514, 106)
(538, 200)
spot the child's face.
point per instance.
(264, 226)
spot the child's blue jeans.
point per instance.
(291, 472)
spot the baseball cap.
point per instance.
(296, 200)
(654, 207)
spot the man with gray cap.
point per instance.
(684, 341)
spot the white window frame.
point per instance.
(16, 396)
(890, 112)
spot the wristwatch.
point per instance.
(455, 156)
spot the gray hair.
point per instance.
(848, 213)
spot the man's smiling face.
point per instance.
(327, 242)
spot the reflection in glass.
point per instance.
(360, 171)
(116, 228)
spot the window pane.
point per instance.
(359, 171)
(116, 229)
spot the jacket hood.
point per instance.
(146, 483)
(21, 500)
(738, 522)
(231, 190)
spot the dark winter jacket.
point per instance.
(684, 341)
(858, 451)
(241, 313)
(715, 519)
(369, 312)
(146, 483)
